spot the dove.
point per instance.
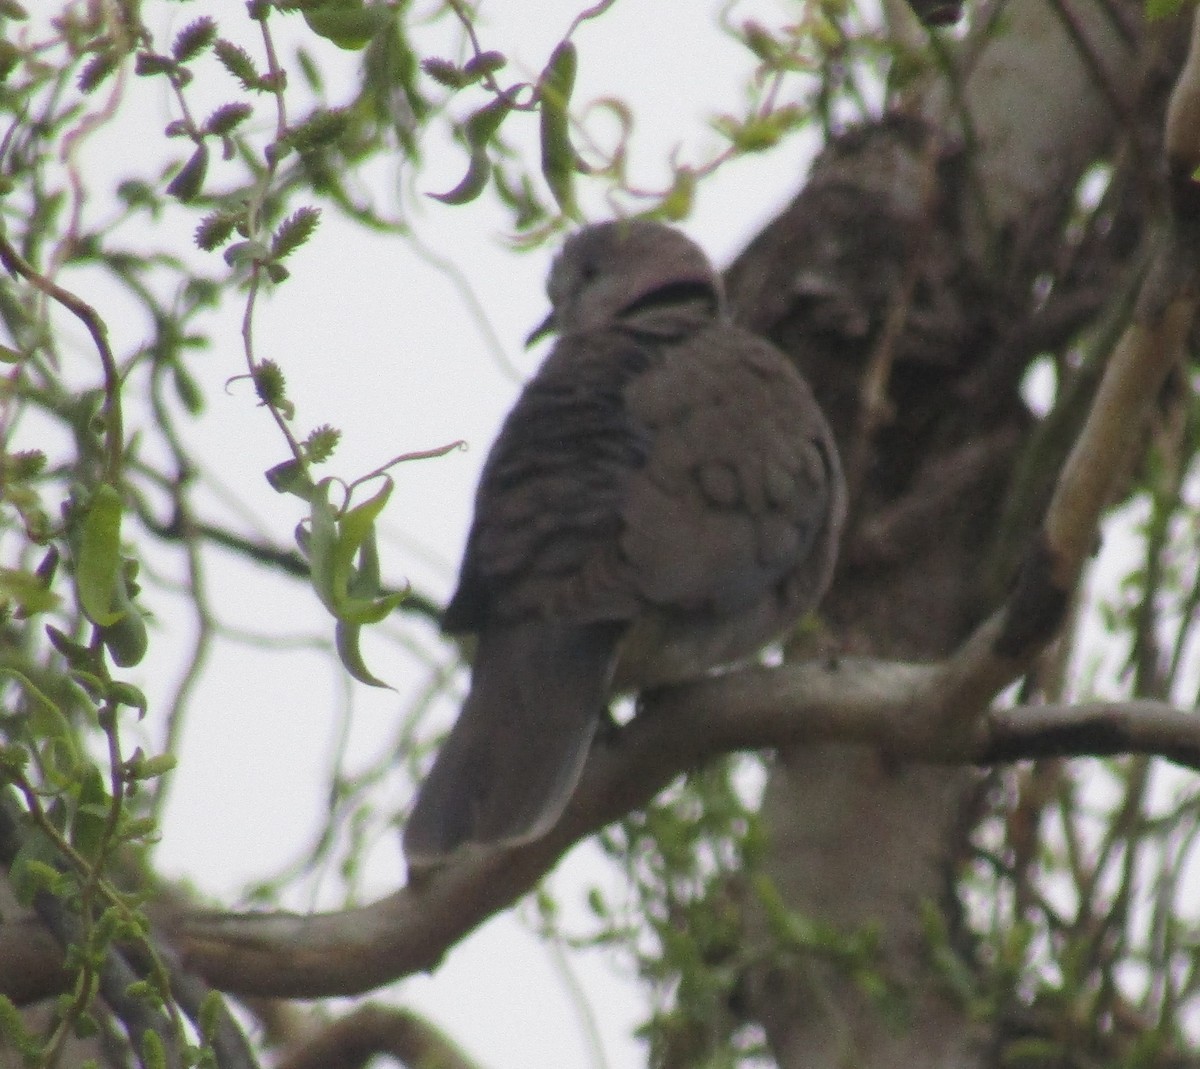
(664, 498)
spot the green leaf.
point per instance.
(472, 184)
(389, 86)
(365, 579)
(127, 694)
(1163, 9)
(144, 828)
(677, 204)
(346, 638)
(10, 56)
(558, 154)
(138, 194)
(98, 561)
(92, 806)
(76, 655)
(521, 197)
(144, 991)
(154, 1056)
(760, 132)
(33, 870)
(14, 760)
(127, 640)
(186, 389)
(478, 130)
(92, 684)
(356, 538)
(25, 464)
(40, 698)
(364, 610)
(322, 540)
(123, 924)
(484, 124)
(761, 43)
(26, 591)
(12, 1030)
(350, 594)
(243, 253)
(212, 1008)
(360, 520)
(347, 23)
(322, 127)
(291, 477)
(151, 767)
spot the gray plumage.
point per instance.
(665, 497)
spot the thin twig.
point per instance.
(16, 264)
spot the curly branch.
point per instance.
(349, 1043)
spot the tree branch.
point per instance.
(899, 708)
(349, 1043)
(1095, 729)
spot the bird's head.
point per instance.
(620, 269)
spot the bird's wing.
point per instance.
(548, 507)
(741, 491)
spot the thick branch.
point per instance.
(895, 706)
(1097, 729)
(352, 1041)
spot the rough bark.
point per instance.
(902, 281)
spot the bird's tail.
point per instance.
(511, 762)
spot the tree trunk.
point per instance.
(904, 282)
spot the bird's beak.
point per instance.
(546, 326)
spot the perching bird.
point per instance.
(665, 497)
